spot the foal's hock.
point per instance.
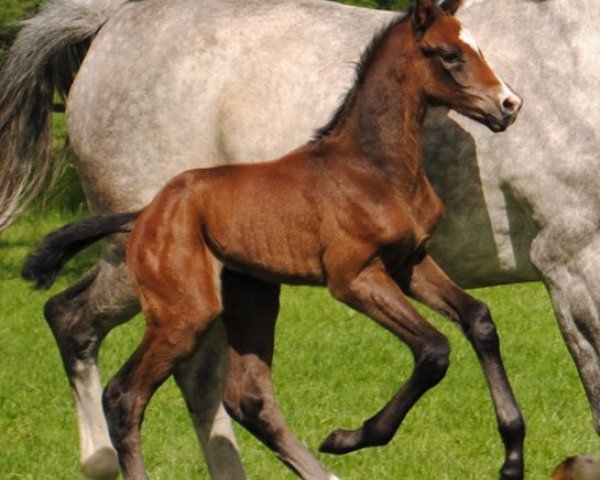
(351, 210)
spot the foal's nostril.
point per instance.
(508, 105)
(511, 104)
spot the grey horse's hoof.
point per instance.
(102, 465)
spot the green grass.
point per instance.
(332, 369)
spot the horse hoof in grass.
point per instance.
(102, 465)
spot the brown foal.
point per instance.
(351, 210)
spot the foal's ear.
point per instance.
(423, 15)
(451, 6)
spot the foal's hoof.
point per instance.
(102, 465)
(342, 441)
(512, 472)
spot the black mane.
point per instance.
(365, 61)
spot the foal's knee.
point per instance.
(433, 359)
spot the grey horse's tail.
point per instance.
(43, 265)
(43, 59)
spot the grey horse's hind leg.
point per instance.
(80, 318)
(200, 378)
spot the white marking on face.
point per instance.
(467, 38)
(505, 91)
(468, 3)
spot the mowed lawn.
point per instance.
(333, 368)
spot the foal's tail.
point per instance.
(44, 57)
(43, 265)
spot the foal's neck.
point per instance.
(384, 116)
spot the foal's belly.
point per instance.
(271, 251)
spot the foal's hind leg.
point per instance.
(430, 285)
(250, 309)
(79, 318)
(176, 279)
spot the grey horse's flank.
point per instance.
(167, 86)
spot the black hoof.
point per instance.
(512, 472)
(342, 441)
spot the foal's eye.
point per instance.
(450, 57)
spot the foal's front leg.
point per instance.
(430, 285)
(375, 293)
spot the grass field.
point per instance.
(332, 369)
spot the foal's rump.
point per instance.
(239, 212)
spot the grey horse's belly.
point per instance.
(186, 84)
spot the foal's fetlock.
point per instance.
(512, 431)
(373, 433)
(513, 435)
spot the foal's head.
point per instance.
(454, 70)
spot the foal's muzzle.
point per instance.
(509, 108)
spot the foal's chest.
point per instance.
(389, 213)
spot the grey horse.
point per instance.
(166, 86)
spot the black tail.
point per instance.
(43, 265)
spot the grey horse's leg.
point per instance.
(200, 379)
(569, 265)
(80, 317)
